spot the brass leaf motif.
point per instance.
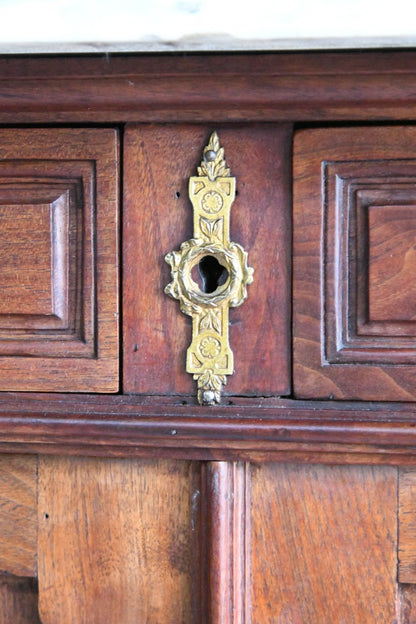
(211, 228)
(210, 386)
(211, 320)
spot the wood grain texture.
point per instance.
(18, 515)
(18, 601)
(209, 88)
(407, 597)
(47, 256)
(158, 218)
(127, 426)
(116, 541)
(407, 526)
(226, 542)
(392, 263)
(323, 544)
(339, 174)
(59, 207)
(25, 235)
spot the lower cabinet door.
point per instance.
(130, 541)
(354, 289)
(324, 545)
(59, 259)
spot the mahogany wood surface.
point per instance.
(158, 217)
(316, 86)
(323, 544)
(350, 432)
(392, 264)
(128, 528)
(226, 535)
(407, 604)
(407, 526)
(341, 349)
(25, 235)
(18, 600)
(116, 541)
(18, 515)
(59, 257)
(206, 88)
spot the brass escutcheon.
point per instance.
(212, 192)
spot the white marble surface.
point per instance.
(166, 25)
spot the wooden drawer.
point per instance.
(158, 217)
(58, 255)
(355, 263)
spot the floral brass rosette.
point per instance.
(209, 357)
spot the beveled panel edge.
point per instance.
(311, 378)
(350, 188)
(250, 429)
(61, 182)
(64, 332)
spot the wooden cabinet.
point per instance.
(122, 500)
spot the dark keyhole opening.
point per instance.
(210, 274)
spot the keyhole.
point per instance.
(210, 274)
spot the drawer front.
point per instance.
(159, 161)
(58, 250)
(355, 263)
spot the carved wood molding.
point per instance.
(226, 541)
(258, 430)
(268, 87)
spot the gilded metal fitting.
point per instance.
(212, 192)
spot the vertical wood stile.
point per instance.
(226, 542)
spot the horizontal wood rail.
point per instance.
(247, 429)
(236, 87)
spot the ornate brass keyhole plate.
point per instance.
(212, 192)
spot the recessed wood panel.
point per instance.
(26, 258)
(58, 251)
(47, 298)
(323, 544)
(118, 541)
(158, 218)
(392, 263)
(18, 515)
(354, 266)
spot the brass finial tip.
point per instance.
(213, 163)
(210, 156)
